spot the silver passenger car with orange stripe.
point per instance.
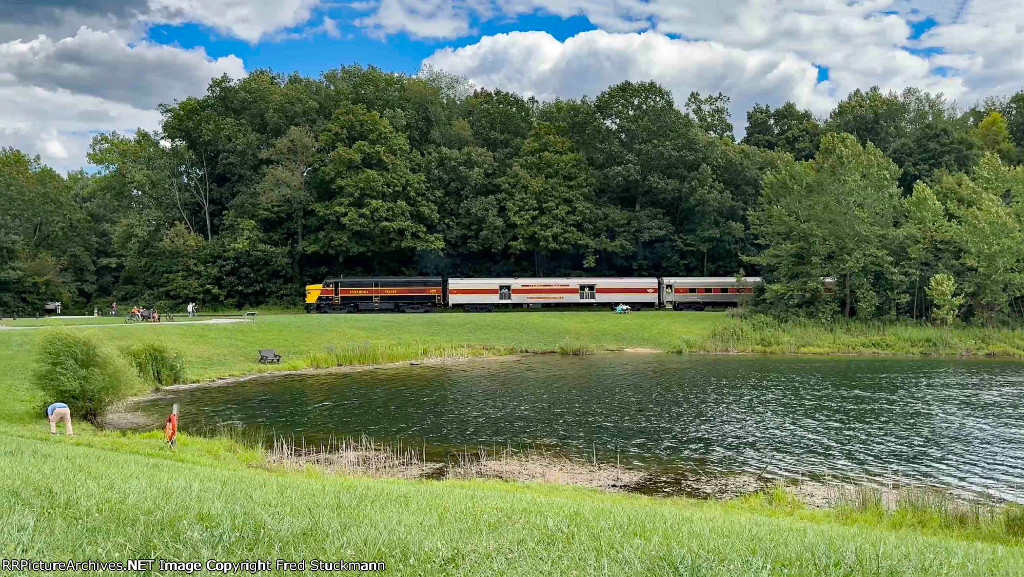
(484, 294)
(695, 292)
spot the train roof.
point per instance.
(383, 278)
(576, 279)
(674, 279)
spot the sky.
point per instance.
(70, 69)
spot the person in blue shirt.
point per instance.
(59, 412)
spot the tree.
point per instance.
(871, 116)
(285, 182)
(786, 129)
(642, 157)
(1013, 111)
(831, 217)
(931, 148)
(993, 136)
(549, 196)
(711, 113)
(931, 240)
(945, 304)
(500, 121)
(373, 209)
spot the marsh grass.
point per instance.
(378, 354)
(575, 347)
(761, 334)
(364, 456)
(931, 510)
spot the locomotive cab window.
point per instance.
(588, 292)
(505, 292)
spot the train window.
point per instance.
(588, 292)
(505, 292)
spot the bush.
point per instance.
(89, 378)
(157, 364)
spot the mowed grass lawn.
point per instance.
(113, 496)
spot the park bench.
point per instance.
(269, 356)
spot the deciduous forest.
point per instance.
(913, 204)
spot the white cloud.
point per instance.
(102, 64)
(58, 124)
(422, 18)
(57, 94)
(983, 47)
(535, 63)
(861, 42)
(250, 20)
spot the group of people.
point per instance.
(142, 313)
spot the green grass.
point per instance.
(109, 505)
(108, 495)
(61, 321)
(765, 335)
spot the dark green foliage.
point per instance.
(270, 182)
(88, 377)
(786, 129)
(156, 364)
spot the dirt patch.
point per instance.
(641, 350)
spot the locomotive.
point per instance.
(428, 293)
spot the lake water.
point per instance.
(951, 423)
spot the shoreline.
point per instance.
(439, 361)
(365, 457)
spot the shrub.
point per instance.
(157, 364)
(89, 378)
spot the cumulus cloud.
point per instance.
(971, 49)
(983, 47)
(57, 94)
(250, 20)
(101, 64)
(535, 63)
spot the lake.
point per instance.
(957, 424)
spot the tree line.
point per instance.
(271, 182)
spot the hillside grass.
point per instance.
(111, 505)
(112, 495)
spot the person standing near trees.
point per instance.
(59, 412)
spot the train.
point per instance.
(431, 293)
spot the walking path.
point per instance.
(210, 322)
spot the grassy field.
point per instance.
(109, 505)
(106, 495)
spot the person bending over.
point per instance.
(59, 412)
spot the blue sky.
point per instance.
(315, 53)
(70, 69)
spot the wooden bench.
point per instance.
(269, 356)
